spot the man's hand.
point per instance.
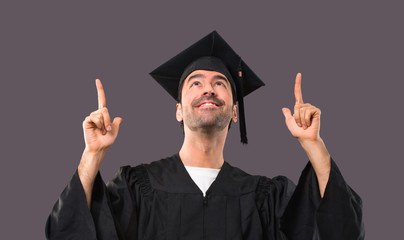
(305, 122)
(99, 132)
(305, 126)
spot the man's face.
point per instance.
(206, 102)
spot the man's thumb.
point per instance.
(286, 113)
(117, 121)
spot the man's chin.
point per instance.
(209, 125)
(210, 129)
(207, 110)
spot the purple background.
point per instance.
(350, 55)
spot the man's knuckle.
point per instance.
(93, 114)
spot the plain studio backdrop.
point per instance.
(350, 55)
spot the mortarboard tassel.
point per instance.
(243, 130)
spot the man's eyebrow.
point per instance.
(198, 75)
(195, 76)
(221, 77)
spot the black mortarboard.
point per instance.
(210, 53)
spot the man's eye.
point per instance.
(220, 84)
(195, 84)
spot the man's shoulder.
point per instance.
(239, 173)
(160, 171)
(263, 183)
(161, 164)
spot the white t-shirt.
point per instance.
(203, 177)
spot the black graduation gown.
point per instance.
(160, 201)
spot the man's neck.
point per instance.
(203, 150)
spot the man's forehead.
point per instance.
(205, 73)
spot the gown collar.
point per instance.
(170, 175)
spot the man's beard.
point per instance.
(213, 120)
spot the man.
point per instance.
(196, 194)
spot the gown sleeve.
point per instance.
(113, 213)
(338, 215)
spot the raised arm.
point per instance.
(99, 134)
(305, 126)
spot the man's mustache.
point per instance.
(214, 99)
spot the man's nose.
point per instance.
(208, 90)
(209, 93)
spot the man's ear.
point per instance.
(234, 117)
(178, 114)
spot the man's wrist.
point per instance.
(90, 163)
(313, 146)
(318, 155)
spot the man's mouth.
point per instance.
(208, 102)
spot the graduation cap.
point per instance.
(214, 54)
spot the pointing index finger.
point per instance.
(298, 89)
(101, 95)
